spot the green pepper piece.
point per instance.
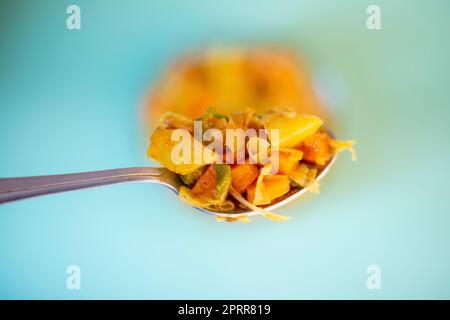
(223, 174)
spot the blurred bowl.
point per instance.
(231, 80)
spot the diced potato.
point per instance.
(161, 148)
(293, 130)
(243, 175)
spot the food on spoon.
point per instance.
(281, 152)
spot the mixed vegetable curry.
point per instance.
(303, 148)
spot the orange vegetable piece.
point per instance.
(251, 192)
(286, 164)
(273, 186)
(242, 176)
(207, 183)
(316, 149)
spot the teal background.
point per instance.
(70, 102)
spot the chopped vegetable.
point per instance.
(305, 177)
(214, 183)
(162, 146)
(268, 171)
(269, 215)
(207, 183)
(288, 160)
(316, 148)
(293, 130)
(270, 187)
(251, 190)
(243, 175)
(223, 174)
(191, 178)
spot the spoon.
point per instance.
(13, 189)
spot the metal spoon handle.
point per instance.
(12, 189)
